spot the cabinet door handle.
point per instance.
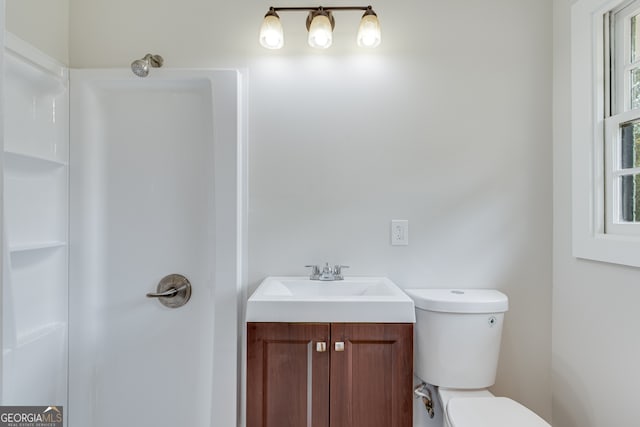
(339, 346)
(321, 347)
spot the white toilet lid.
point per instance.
(491, 412)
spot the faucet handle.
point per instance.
(315, 271)
(337, 271)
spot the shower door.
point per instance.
(154, 192)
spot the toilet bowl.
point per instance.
(457, 344)
(480, 408)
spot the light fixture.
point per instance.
(271, 33)
(320, 24)
(369, 34)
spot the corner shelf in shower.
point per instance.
(36, 246)
(36, 197)
(34, 335)
(23, 368)
(30, 161)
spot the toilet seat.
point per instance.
(490, 412)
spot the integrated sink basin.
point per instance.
(354, 299)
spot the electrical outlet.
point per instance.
(399, 232)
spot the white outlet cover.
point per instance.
(399, 232)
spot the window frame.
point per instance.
(591, 95)
(617, 76)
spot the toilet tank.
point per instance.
(457, 336)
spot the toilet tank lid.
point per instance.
(459, 300)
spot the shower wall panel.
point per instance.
(35, 252)
(154, 191)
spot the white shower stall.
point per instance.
(132, 179)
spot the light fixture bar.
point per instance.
(327, 8)
(320, 24)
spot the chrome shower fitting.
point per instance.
(140, 67)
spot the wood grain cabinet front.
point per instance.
(329, 374)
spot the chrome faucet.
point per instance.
(327, 274)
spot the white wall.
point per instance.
(3, 254)
(595, 305)
(42, 23)
(447, 125)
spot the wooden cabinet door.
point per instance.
(371, 379)
(287, 377)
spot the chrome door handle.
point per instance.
(173, 291)
(167, 294)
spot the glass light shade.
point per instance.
(369, 31)
(271, 32)
(320, 32)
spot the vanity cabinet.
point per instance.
(329, 374)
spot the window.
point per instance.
(606, 130)
(622, 120)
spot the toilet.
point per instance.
(457, 344)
